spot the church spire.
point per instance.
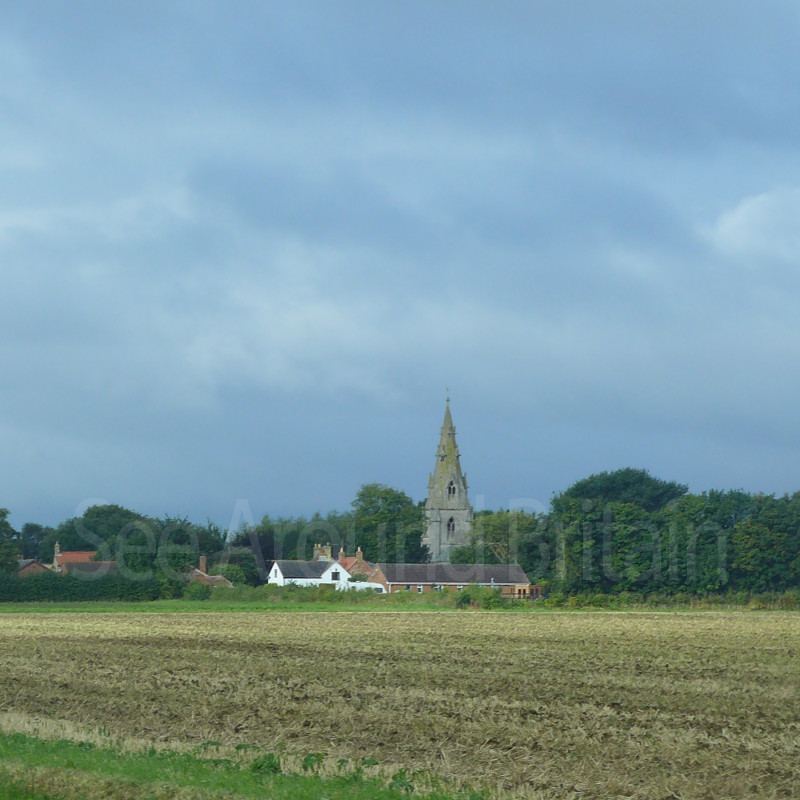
(447, 511)
(448, 459)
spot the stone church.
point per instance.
(448, 514)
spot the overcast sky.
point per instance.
(245, 248)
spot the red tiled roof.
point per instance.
(75, 557)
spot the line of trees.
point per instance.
(613, 532)
(626, 531)
(384, 522)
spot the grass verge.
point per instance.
(28, 772)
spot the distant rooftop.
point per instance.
(460, 574)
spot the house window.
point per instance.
(335, 575)
(459, 587)
(451, 526)
(419, 589)
(408, 587)
(451, 489)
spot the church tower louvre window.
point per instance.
(448, 514)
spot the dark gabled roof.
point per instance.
(305, 569)
(459, 574)
(27, 562)
(92, 568)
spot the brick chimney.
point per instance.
(203, 565)
(322, 552)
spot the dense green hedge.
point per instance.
(67, 588)
(750, 601)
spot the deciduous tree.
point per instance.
(8, 545)
(388, 524)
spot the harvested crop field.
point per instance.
(543, 705)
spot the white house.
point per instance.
(309, 573)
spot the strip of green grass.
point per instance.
(168, 771)
(208, 607)
(11, 792)
(259, 606)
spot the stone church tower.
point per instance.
(448, 514)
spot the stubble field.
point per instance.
(549, 705)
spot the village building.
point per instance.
(309, 573)
(61, 560)
(323, 552)
(194, 574)
(357, 565)
(30, 566)
(448, 521)
(200, 574)
(510, 579)
(448, 513)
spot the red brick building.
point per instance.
(508, 578)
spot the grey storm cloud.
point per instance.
(245, 249)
